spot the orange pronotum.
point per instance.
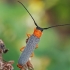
(37, 33)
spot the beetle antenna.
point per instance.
(29, 13)
(56, 26)
(36, 23)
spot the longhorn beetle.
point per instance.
(32, 42)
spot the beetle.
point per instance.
(32, 42)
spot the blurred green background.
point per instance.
(54, 47)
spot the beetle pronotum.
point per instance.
(32, 42)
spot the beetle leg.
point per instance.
(22, 49)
